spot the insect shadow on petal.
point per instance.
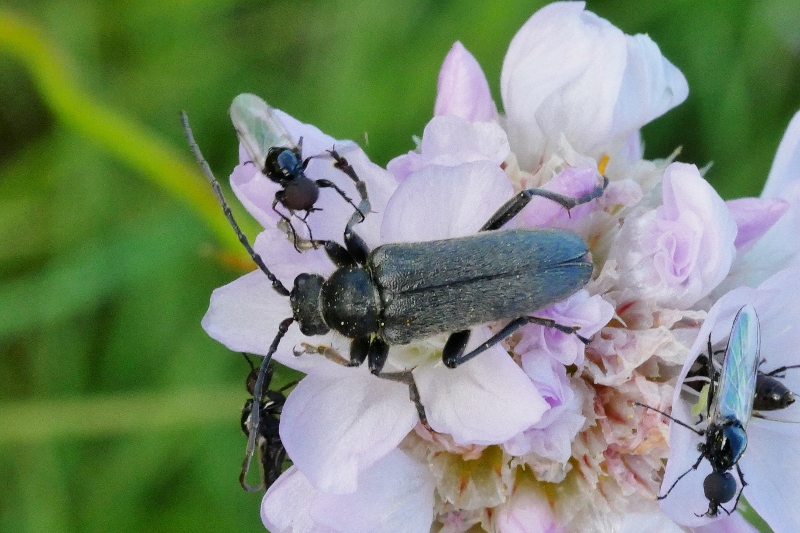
(398, 293)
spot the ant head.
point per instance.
(305, 302)
(719, 487)
(282, 165)
(253, 376)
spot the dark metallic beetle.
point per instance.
(398, 293)
(268, 441)
(270, 147)
(729, 406)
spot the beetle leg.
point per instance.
(328, 352)
(407, 377)
(258, 393)
(359, 350)
(355, 244)
(510, 209)
(453, 352)
(343, 165)
(337, 253)
(454, 348)
(378, 352)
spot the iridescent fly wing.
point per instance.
(737, 381)
(257, 127)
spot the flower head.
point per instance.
(539, 432)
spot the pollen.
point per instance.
(602, 164)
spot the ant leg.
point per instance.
(310, 233)
(294, 237)
(694, 467)
(744, 484)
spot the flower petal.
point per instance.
(678, 253)
(462, 89)
(485, 401)
(339, 421)
(770, 465)
(443, 202)
(286, 505)
(786, 166)
(526, 511)
(754, 217)
(450, 140)
(395, 494)
(568, 71)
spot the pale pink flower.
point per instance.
(677, 253)
(569, 72)
(540, 432)
(772, 456)
(463, 90)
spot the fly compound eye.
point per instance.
(719, 487)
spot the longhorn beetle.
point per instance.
(272, 150)
(402, 292)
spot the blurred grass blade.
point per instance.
(80, 280)
(101, 416)
(121, 136)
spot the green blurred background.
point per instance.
(117, 412)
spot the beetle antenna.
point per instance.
(276, 284)
(258, 393)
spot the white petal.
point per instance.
(395, 494)
(462, 89)
(286, 505)
(771, 467)
(339, 421)
(442, 202)
(651, 86)
(786, 166)
(541, 83)
(487, 400)
(568, 71)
